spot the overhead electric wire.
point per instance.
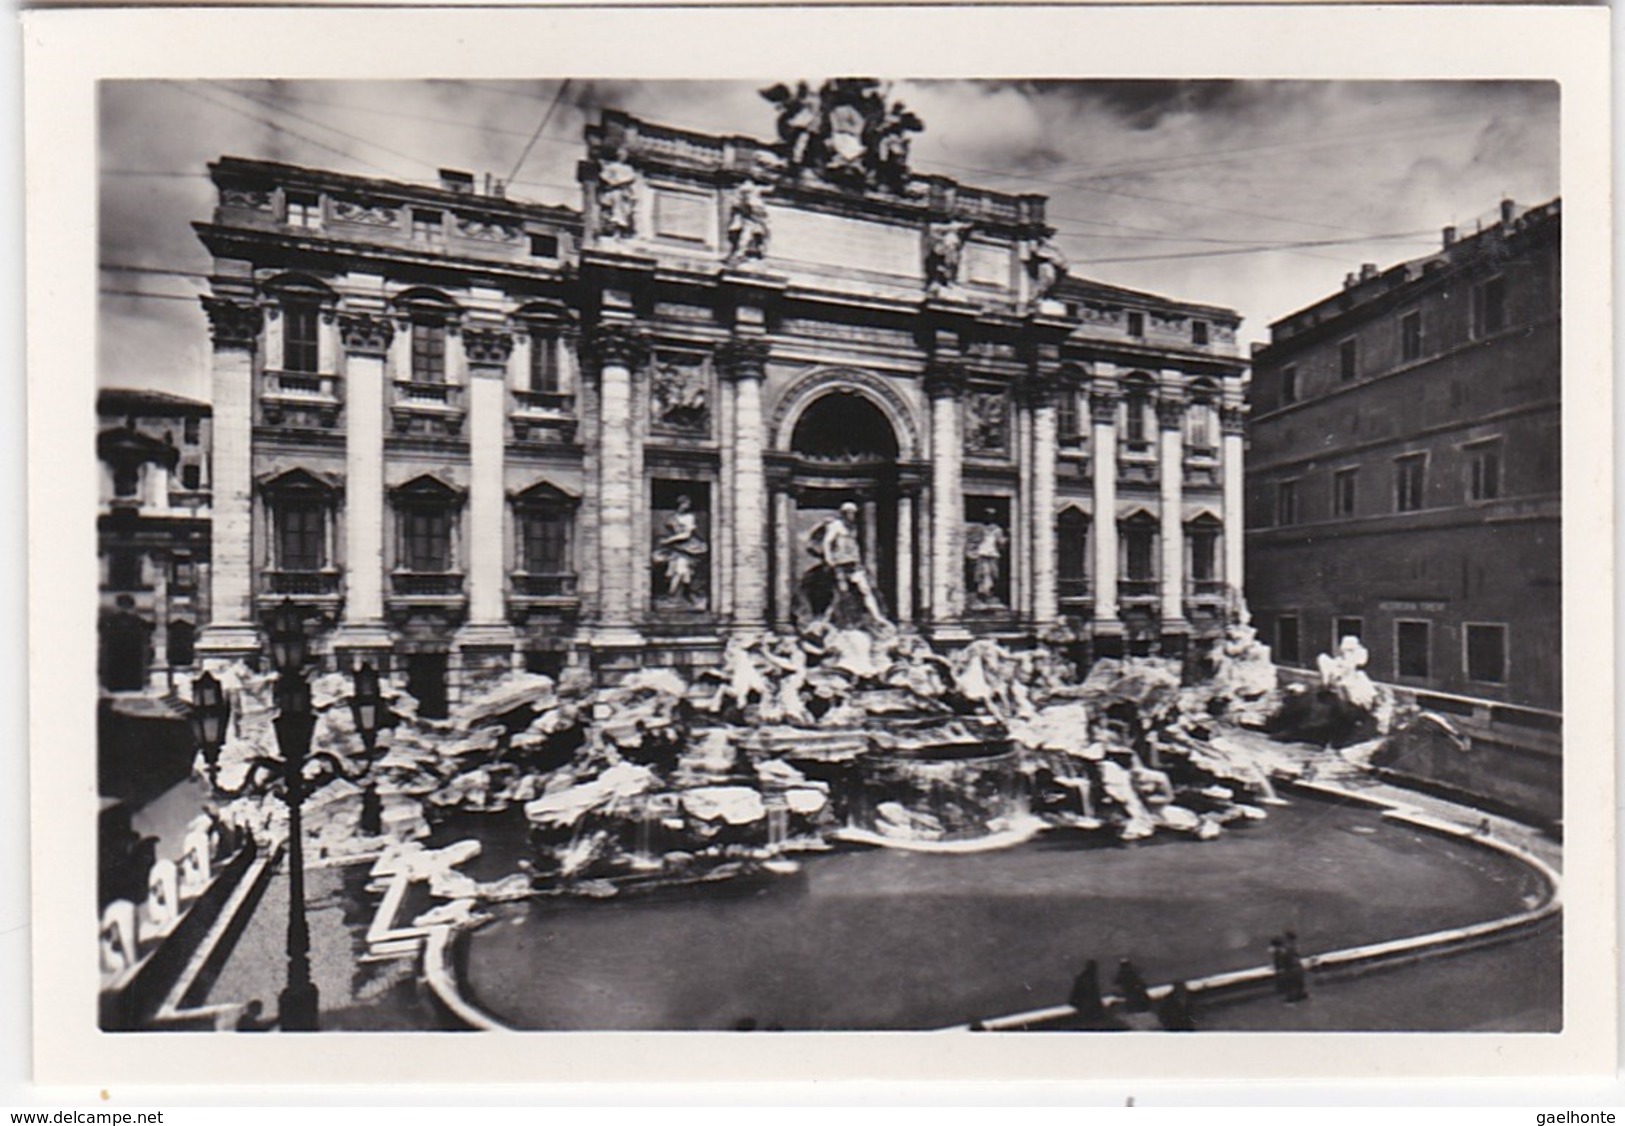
(273, 125)
(552, 106)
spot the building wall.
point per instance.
(153, 536)
(1467, 545)
(654, 402)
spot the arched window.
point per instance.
(299, 510)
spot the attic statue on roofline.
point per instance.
(846, 133)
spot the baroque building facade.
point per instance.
(152, 536)
(475, 433)
(1404, 470)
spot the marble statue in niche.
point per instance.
(986, 543)
(679, 557)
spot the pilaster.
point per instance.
(1171, 488)
(614, 349)
(1040, 391)
(945, 384)
(743, 362)
(232, 634)
(1233, 424)
(488, 351)
(1103, 401)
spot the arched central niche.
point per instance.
(844, 425)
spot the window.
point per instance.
(1344, 491)
(301, 535)
(1136, 324)
(1486, 653)
(124, 570)
(1489, 307)
(544, 362)
(126, 479)
(1204, 554)
(1347, 627)
(183, 574)
(1286, 503)
(1072, 554)
(192, 430)
(1066, 417)
(191, 475)
(545, 541)
(426, 227)
(1410, 335)
(1136, 403)
(1287, 651)
(1199, 332)
(299, 349)
(428, 348)
(1409, 479)
(1139, 551)
(427, 540)
(1289, 386)
(544, 246)
(182, 642)
(1484, 470)
(1199, 425)
(1348, 360)
(304, 211)
(1411, 648)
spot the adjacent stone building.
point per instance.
(1403, 476)
(475, 433)
(153, 535)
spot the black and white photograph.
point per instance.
(834, 549)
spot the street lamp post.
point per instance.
(297, 1004)
(295, 722)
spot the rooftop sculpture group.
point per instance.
(846, 133)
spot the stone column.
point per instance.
(1233, 424)
(744, 361)
(1171, 492)
(785, 559)
(488, 351)
(1046, 599)
(366, 339)
(945, 383)
(1103, 449)
(232, 633)
(616, 348)
(903, 612)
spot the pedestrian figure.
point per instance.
(1174, 1012)
(1295, 977)
(1131, 986)
(1278, 962)
(1086, 992)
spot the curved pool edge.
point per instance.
(442, 943)
(1355, 958)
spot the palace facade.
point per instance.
(475, 434)
(1404, 476)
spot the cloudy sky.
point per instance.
(1255, 195)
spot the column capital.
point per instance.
(233, 324)
(1103, 405)
(489, 347)
(615, 343)
(1233, 418)
(945, 379)
(1170, 412)
(743, 358)
(1039, 386)
(365, 333)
